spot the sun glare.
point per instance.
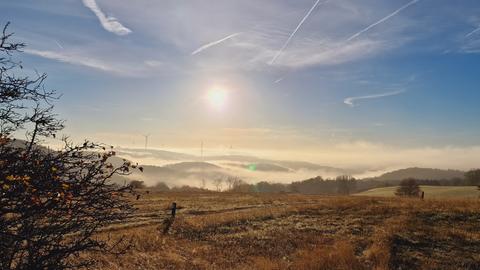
(217, 98)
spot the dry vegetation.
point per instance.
(242, 231)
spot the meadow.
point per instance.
(440, 192)
(290, 231)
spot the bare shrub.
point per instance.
(51, 202)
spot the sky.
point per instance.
(339, 82)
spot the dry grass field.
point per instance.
(431, 192)
(286, 231)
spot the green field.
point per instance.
(430, 192)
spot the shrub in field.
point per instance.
(51, 202)
(161, 186)
(137, 184)
(408, 188)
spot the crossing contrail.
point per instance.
(382, 20)
(295, 31)
(211, 44)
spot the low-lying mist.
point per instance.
(178, 169)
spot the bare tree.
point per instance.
(218, 182)
(232, 181)
(51, 202)
(345, 184)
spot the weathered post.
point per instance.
(423, 195)
(174, 209)
(168, 222)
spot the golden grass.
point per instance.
(244, 231)
(340, 256)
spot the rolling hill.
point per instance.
(419, 173)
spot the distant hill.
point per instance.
(19, 143)
(420, 173)
(192, 166)
(278, 165)
(179, 173)
(302, 165)
(159, 154)
(267, 165)
(262, 167)
(237, 158)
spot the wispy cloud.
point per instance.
(350, 101)
(214, 43)
(279, 80)
(110, 23)
(382, 20)
(153, 63)
(295, 31)
(469, 45)
(124, 67)
(331, 53)
(75, 60)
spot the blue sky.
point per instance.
(374, 79)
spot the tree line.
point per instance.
(341, 185)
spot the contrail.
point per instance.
(350, 100)
(58, 44)
(383, 19)
(473, 32)
(211, 44)
(295, 31)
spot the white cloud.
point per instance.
(350, 100)
(265, 28)
(364, 154)
(110, 23)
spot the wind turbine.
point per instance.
(146, 140)
(201, 159)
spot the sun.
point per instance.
(217, 98)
